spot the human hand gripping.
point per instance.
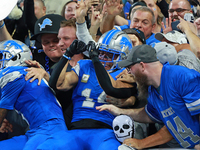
(6, 126)
(93, 50)
(35, 72)
(76, 47)
(132, 142)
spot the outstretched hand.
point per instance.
(93, 50)
(76, 47)
(110, 108)
(113, 7)
(168, 26)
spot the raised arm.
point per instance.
(193, 39)
(61, 79)
(108, 84)
(112, 9)
(82, 32)
(4, 34)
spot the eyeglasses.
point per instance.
(178, 10)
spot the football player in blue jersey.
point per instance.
(37, 103)
(91, 129)
(173, 94)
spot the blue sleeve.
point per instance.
(189, 89)
(11, 86)
(127, 7)
(152, 113)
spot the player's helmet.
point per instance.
(116, 44)
(123, 127)
(14, 53)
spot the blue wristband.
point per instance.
(2, 25)
(69, 58)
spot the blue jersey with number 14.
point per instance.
(88, 94)
(177, 104)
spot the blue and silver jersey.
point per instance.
(88, 94)
(37, 103)
(177, 104)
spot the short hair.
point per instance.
(68, 23)
(63, 8)
(145, 9)
(187, 3)
(139, 3)
(41, 1)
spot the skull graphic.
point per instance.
(123, 127)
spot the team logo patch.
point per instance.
(85, 78)
(45, 22)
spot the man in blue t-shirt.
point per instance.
(173, 94)
(142, 18)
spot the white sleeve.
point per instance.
(82, 33)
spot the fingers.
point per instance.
(102, 107)
(33, 63)
(6, 126)
(35, 73)
(29, 74)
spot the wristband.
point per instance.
(2, 25)
(69, 58)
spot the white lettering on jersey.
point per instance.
(168, 112)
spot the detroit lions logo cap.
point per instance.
(47, 24)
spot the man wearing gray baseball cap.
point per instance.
(142, 53)
(173, 94)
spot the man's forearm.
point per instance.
(5, 35)
(107, 23)
(161, 137)
(138, 115)
(194, 44)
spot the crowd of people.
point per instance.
(64, 77)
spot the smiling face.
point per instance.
(66, 36)
(70, 10)
(178, 8)
(50, 46)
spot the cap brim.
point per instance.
(125, 63)
(6, 7)
(159, 36)
(36, 36)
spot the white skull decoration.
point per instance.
(123, 127)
